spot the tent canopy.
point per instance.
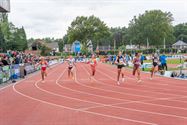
(180, 43)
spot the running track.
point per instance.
(60, 101)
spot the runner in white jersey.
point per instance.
(71, 65)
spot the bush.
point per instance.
(45, 51)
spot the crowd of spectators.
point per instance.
(16, 57)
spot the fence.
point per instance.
(19, 71)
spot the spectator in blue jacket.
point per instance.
(163, 60)
(142, 58)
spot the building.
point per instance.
(180, 45)
(36, 45)
(76, 47)
(5, 6)
(54, 46)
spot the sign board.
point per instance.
(76, 47)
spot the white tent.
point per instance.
(180, 45)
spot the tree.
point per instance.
(2, 42)
(180, 32)
(119, 36)
(45, 50)
(15, 38)
(19, 41)
(62, 42)
(153, 25)
(88, 28)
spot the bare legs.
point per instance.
(44, 74)
(120, 72)
(153, 70)
(70, 73)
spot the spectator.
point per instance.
(163, 60)
(142, 58)
(4, 61)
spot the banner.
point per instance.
(5, 73)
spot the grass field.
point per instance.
(169, 61)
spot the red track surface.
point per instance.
(60, 101)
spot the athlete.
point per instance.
(155, 60)
(137, 64)
(71, 65)
(93, 63)
(44, 65)
(120, 62)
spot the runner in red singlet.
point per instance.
(93, 63)
(44, 65)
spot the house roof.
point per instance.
(50, 45)
(180, 43)
(53, 45)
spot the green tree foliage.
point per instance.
(153, 25)
(118, 35)
(2, 42)
(14, 38)
(45, 50)
(62, 42)
(180, 32)
(88, 28)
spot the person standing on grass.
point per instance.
(71, 65)
(155, 61)
(137, 64)
(163, 60)
(142, 58)
(44, 65)
(120, 62)
(93, 63)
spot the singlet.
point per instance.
(70, 62)
(120, 60)
(137, 61)
(155, 59)
(43, 64)
(93, 62)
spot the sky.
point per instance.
(51, 18)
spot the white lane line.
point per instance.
(113, 105)
(127, 88)
(73, 109)
(168, 79)
(178, 100)
(112, 90)
(133, 89)
(7, 86)
(127, 101)
(139, 90)
(19, 81)
(23, 79)
(172, 98)
(59, 95)
(91, 93)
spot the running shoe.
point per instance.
(118, 83)
(123, 79)
(139, 81)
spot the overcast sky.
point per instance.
(51, 18)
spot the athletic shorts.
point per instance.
(43, 68)
(70, 68)
(155, 64)
(120, 66)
